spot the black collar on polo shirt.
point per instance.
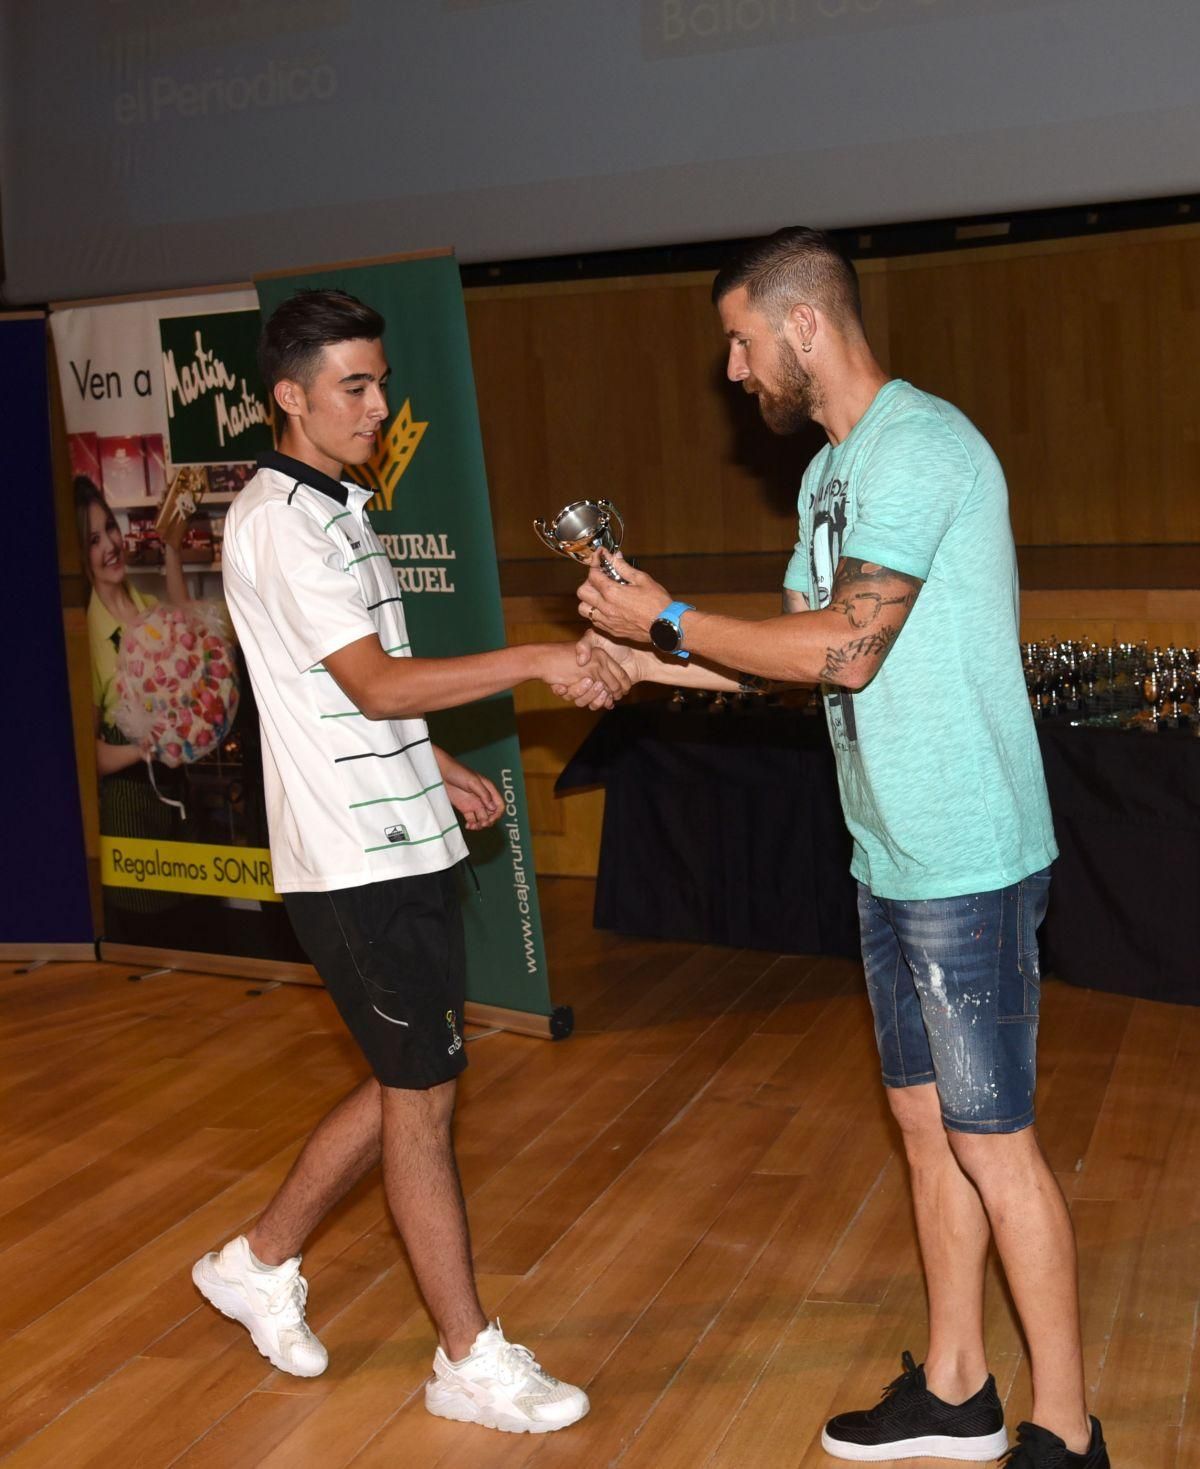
(305, 473)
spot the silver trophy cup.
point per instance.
(588, 531)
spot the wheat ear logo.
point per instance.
(382, 471)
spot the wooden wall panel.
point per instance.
(1079, 361)
(617, 390)
(1124, 616)
(1077, 358)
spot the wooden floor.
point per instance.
(694, 1207)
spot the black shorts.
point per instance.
(393, 956)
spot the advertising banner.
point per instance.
(432, 514)
(164, 415)
(46, 912)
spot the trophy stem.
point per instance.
(611, 571)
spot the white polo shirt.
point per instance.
(350, 800)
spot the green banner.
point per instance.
(432, 513)
(217, 409)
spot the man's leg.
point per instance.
(1036, 1242)
(343, 1146)
(952, 1230)
(974, 961)
(951, 1226)
(421, 1179)
(948, 1406)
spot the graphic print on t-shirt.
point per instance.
(827, 516)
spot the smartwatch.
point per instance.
(665, 632)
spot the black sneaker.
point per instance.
(1038, 1448)
(910, 1423)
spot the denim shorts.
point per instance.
(954, 986)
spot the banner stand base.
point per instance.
(46, 953)
(553, 1027)
(192, 962)
(556, 1026)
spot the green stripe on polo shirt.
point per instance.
(349, 714)
(366, 557)
(341, 515)
(400, 846)
(382, 800)
(399, 648)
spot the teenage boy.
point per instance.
(364, 842)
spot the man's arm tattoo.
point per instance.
(861, 603)
(838, 661)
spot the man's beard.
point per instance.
(790, 407)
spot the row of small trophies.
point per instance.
(1125, 685)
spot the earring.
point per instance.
(806, 346)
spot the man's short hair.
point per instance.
(794, 264)
(301, 327)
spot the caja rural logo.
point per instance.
(397, 446)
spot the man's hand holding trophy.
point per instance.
(590, 532)
(633, 619)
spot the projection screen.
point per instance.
(150, 143)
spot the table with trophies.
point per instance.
(722, 822)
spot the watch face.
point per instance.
(665, 635)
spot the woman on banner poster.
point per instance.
(129, 806)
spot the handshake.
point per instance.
(606, 662)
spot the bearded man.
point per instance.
(901, 602)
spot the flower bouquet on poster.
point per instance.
(176, 683)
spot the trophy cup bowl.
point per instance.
(588, 531)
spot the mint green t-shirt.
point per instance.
(938, 762)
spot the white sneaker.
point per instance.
(269, 1303)
(500, 1385)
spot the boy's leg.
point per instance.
(343, 1146)
(392, 955)
(420, 1176)
(255, 1278)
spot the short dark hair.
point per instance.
(794, 264)
(299, 328)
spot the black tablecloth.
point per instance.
(1125, 898)
(720, 828)
(726, 828)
